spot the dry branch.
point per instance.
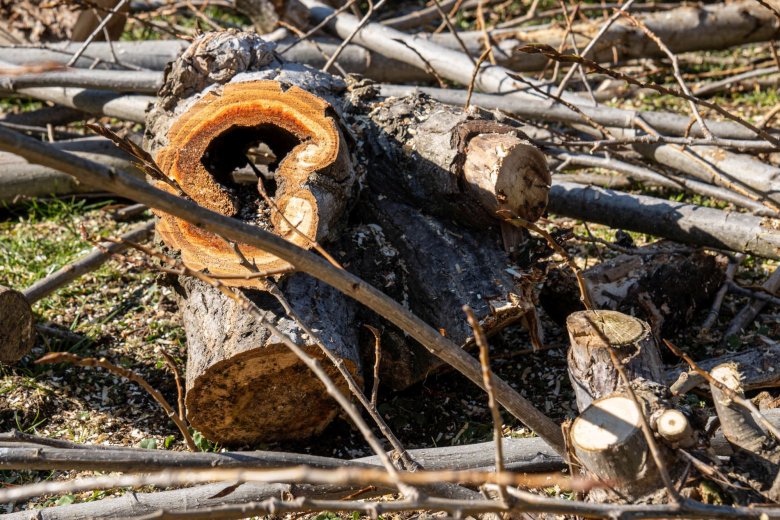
(684, 223)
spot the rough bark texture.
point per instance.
(663, 284)
(755, 452)
(201, 140)
(592, 334)
(243, 384)
(456, 164)
(17, 335)
(434, 268)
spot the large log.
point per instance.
(243, 384)
(459, 267)
(228, 94)
(200, 141)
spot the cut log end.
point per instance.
(262, 395)
(673, 426)
(608, 440)
(508, 173)
(17, 333)
(603, 329)
(213, 137)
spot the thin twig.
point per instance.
(348, 39)
(377, 360)
(487, 376)
(477, 65)
(107, 18)
(66, 357)
(177, 377)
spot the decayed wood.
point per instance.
(20, 178)
(243, 385)
(209, 136)
(455, 164)
(756, 453)
(663, 283)
(684, 223)
(758, 368)
(241, 232)
(17, 334)
(608, 440)
(593, 334)
(459, 267)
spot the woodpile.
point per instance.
(323, 234)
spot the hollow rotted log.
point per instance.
(228, 101)
(663, 283)
(593, 334)
(434, 268)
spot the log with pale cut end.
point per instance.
(460, 165)
(607, 439)
(17, 334)
(243, 384)
(592, 335)
(755, 453)
(212, 138)
(673, 426)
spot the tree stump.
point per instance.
(592, 335)
(607, 438)
(17, 332)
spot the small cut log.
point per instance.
(593, 334)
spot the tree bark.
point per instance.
(758, 368)
(199, 141)
(459, 267)
(243, 385)
(684, 29)
(17, 334)
(684, 223)
(593, 334)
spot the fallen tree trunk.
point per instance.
(243, 384)
(460, 267)
(17, 334)
(18, 178)
(127, 107)
(680, 222)
(684, 29)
